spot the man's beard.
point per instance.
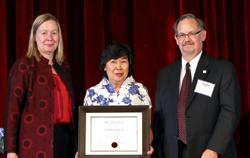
(187, 43)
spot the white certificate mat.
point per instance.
(114, 133)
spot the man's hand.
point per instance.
(151, 150)
(209, 154)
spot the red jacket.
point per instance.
(29, 125)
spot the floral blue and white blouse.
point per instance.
(130, 93)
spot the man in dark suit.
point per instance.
(197, 120)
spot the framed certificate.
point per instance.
(113, 132)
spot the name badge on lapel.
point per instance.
(204, 87)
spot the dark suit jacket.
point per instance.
(210, 121)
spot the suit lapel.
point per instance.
(201, 72)
(175, 81)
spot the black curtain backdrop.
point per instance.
(145, 25)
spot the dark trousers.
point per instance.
(64, 142)
(182, 149)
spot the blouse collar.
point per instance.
(105, 82)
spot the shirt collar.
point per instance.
(128, 81)
(193, 64)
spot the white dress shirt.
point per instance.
(193, 65)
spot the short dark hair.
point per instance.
(200, 23)
(115, 50)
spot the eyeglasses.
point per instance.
(190, 34)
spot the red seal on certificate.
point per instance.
(114, 144)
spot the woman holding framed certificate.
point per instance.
(117, 87)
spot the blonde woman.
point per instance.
(40, 103)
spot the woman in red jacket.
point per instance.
(40, 103)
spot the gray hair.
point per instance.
(200, 23)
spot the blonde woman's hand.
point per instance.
(12, 155)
